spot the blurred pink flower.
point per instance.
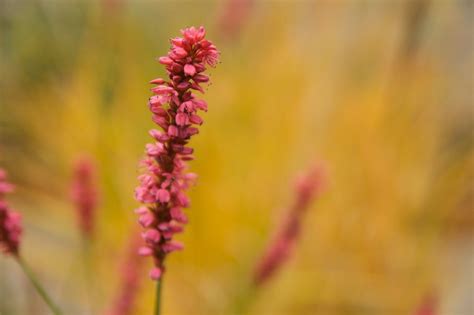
(308, 187)
(233, 16)
(174, 108)
(84, 195)
(10, 221)
(130, 281)
(428, 306)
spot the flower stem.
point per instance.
(159, 283)
(38, 286)
(89, 285)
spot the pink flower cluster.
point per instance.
(84, 195)
(308, 187)
(10, 221)
(175, 109)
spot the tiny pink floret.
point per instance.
(155, 273)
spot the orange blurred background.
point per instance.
(381, 91)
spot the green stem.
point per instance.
(38, 286)
(244, 300)
(159, 283)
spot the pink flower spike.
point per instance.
(128, 291)
(280, 248)
(84, 195)
(174, 106)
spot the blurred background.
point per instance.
(381, 91)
